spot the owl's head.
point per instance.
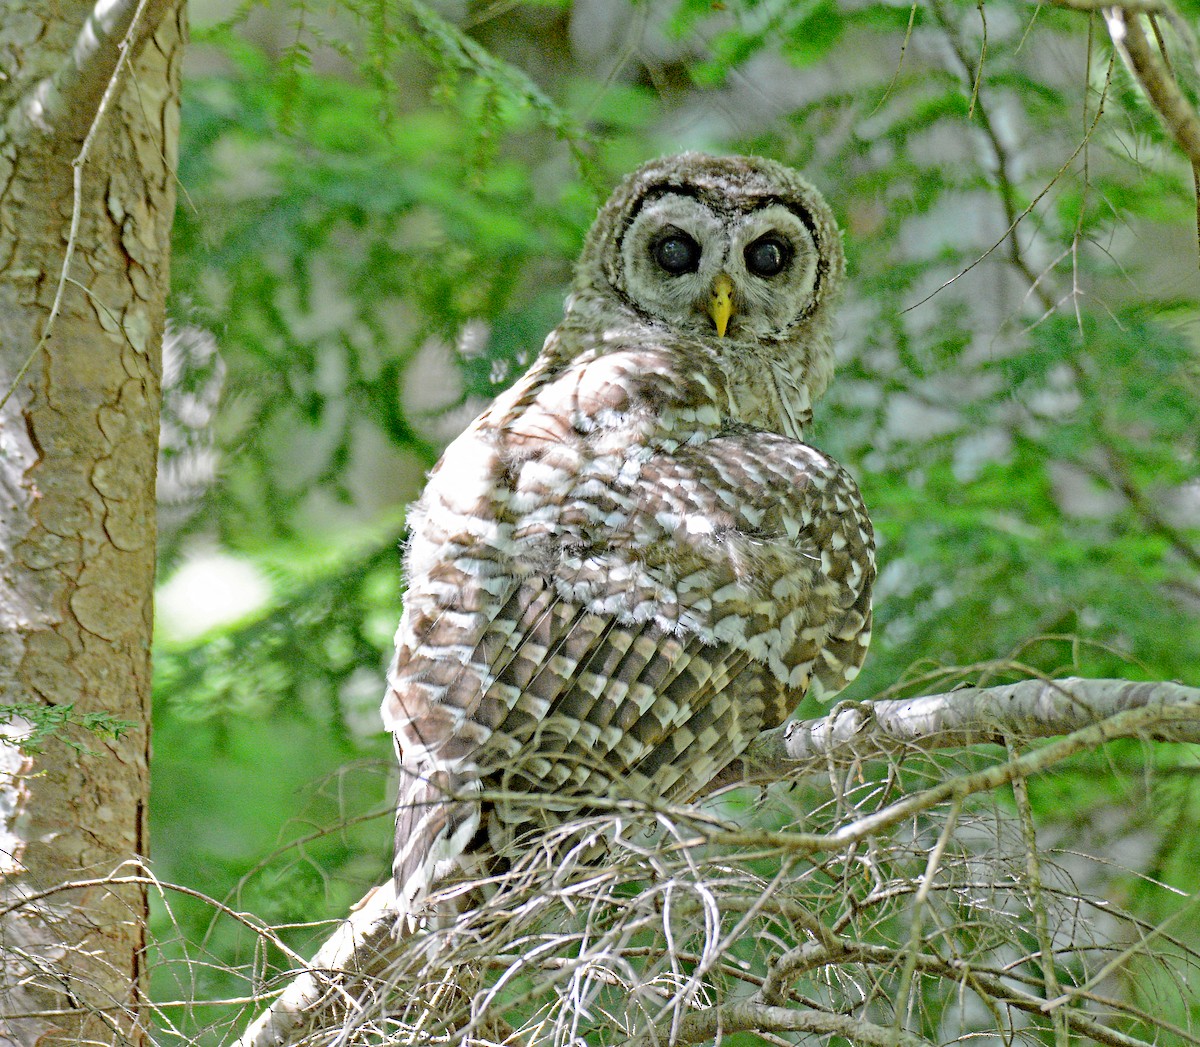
(738, 252)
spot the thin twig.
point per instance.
(1037, 900)
(915, 928)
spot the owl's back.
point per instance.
(613, 589)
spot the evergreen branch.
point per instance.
(448, 46)
(30, 725)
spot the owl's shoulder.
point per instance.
(618, 381)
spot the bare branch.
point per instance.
(1160, 8)
(1154, 720)
(1152, 70)
(337, 978)
(1037, 901)
(970, 716)
(1154, 7)
(748, 1016)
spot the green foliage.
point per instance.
(34, 725)
(1018, 404)
(331, 615)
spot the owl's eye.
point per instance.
(676, 253)
(768, 255)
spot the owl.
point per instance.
(630, 564)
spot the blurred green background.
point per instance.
(380, 203)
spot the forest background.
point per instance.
(379, 207)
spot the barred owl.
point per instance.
(630, 564)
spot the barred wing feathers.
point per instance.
(611, 590)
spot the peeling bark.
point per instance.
(78, 438)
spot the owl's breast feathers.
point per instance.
(612, 587)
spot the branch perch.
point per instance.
(340, 979)
(970, 716)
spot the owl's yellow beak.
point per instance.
(720, 304)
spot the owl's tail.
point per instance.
(437, 814)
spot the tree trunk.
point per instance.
(78, 442)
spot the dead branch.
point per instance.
(995, 984)
(349, 973)
(970, 716)
(1151, 67)
(750, 1016)
(335, 980)
(1175, 111)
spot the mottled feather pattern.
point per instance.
(617, 576)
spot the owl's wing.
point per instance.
(598, 614)
(563, 704)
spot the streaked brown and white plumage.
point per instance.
(630, 565)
